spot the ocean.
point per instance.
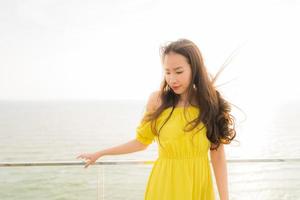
(45, 131)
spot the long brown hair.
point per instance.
(215, 110)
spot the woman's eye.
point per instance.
(176, 73)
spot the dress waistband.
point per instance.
(187, 156)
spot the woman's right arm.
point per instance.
(128, 147)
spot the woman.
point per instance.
(187, 117)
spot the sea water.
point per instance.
(39, 131)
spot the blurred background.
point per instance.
(75, 77)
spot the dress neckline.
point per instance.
(181, 107)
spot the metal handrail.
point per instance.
(132, 162)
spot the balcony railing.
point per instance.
(135, 162)
(127, 179)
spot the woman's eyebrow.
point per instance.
(175, 68)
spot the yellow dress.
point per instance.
(182, 170)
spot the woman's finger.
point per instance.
(87, 164)
(81, 156)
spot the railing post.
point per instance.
(100, 182)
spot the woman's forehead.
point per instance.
(174, 61)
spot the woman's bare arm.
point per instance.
(218, 160)
(128, 147)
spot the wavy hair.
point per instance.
(215, 110)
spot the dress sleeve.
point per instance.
(144, 133)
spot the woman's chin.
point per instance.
(177, 92)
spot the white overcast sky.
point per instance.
(52, 50)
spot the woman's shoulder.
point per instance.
(153, 101)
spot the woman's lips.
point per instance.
(175, 88)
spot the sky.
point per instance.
(105, 50)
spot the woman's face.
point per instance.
(177, 73)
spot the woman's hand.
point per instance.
(128, 147)
(90, 158)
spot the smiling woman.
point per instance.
(177, 73)
(87, 50)
(182, 170)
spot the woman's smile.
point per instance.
(175, 88)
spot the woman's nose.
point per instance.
(172, 80)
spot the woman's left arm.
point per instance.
(218, 160)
